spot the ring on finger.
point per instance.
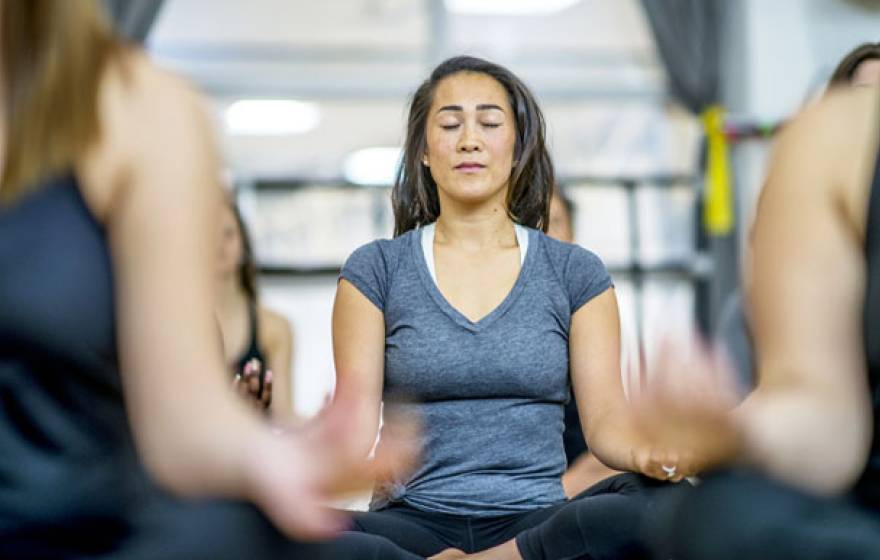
(669, 470)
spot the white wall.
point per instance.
(776, 56)
(308, 303)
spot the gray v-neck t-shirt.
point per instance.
(490, 394)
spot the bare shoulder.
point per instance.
(829, 150)
(844, 120)
(849, 120)
(833, 124)
(137, 86)
(856, 160)
(144, 112)
(275, 327)
(143, 105)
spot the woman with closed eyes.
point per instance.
(478, 317)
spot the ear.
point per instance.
(425, 160)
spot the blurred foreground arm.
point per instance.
(193, 434)
(809, 421)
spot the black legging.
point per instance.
(167, 529)
(220, 530)
(732, 516)
(600, 523)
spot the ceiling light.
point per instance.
(375, 166)
(508, 7)
(271, 117)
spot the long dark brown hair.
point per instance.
(414, 196)
(52, 59)
(846, 69)
(247, 268)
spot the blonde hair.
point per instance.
(52, 57)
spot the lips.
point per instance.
(470, 166)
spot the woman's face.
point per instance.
(230, 250)
(471, 134)
(560, 221)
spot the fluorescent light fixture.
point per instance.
(375, 166)
(271, 117)
(508, 7)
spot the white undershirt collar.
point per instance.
(522, 239)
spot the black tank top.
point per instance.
(70, 484)
(253, 350)
(868, 488)
(67, 464)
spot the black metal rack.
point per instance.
(697, 269)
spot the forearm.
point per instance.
(198, 446)
(817, 442)
(367, 420)
(586, 471)
(359, 357)
(281, 408)
(364, 407)
(280, 360)
(615, 441)
(193, 434)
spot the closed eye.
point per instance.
(449, 126)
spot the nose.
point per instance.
(470, 141)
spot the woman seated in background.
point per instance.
(809, 434)
(487, 323)
(255, 338)
(113, 389)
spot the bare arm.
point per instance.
(594, 348)
(809, 420)
(359, 355)
(605, 413)
(279, 346)
(150, 181)
(160, 222)
(583, 473)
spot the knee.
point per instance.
(356, 525)
(363, 546)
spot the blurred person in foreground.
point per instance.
(858, 68)
(802, 453)
(120, 435)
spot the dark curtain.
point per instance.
(133, 18)
(688, 35)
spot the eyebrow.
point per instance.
(481, 107)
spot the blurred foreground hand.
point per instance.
(687, 409)
(295, 474)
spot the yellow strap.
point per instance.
(718, 200)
